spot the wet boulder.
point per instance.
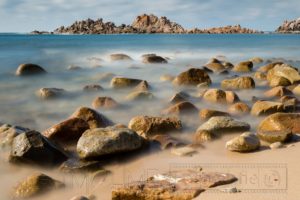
(67, 131)
(245, 66)
(179, 97)
(239, 108)
(7, 134)
(285, 71)
(33, 147)
(74, 165)
(120, 57)
(231, 97)
(29, 69)
(238, 83)
(280, 122)
(92, 117)
(154, 59)
(244, 143)
(279, 81)
(104, 141)
(215, 67)
(147, 126)
(206, 114)
(266, 108)
(268, 67)
(275, 136)
(278, 91)
(215, 96)
(50, 93)
(192, 77)
(139, 96)
(184, 108)
(35, 185)
(122, 82)
(104, 102)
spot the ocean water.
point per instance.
(19, 104)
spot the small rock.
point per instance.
(92, 88)
(181, 109)
(183, 151)
(245, 66)
(140, 95)
(260, 76)
(79, 198)
(192, 77)
(179, 97)
(76, 165)
(244, 143)
(7, 134)
(215, 67)
(231, 97)
(74, 67)
(122, 82)
(230, 190)
(239, 108)
(50, 93)
(119, 57)
(167, 141)
(296, 90)
(276, 145)
(256, 60)
(238, 83)
(206, 114)
(154, 59)
(29, 69)
(142, 86)
(104, 102)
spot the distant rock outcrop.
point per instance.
(290, 26)
(142, 24)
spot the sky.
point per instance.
(28, 15)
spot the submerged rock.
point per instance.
(32, 147)
(239, 108)
(77, 165)
(50, 93)
(231, 97)
(179, 97)
(238, 83)
(119, 56)
(244, 143)
(279, 81)
(110, 140)
(122, 82)
(192, 77)
(275, 136)
(29, 69)
(92, 88)
(147, 126)
(256, 60)
(166, 78)
(140, 95)
(142, 86)
(281, 122)
(184, 151)
(260, 76)
(104, 102)
(181, 109)
(268, 67)
(92, 117)
(152, 58)
(245, 66)
(266, 108)
(35, 185)
(216, 67)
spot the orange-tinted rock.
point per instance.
(104, 102)
(238, 83)
(239, 108)
(205, 114)
(192, 77)
(181, 108)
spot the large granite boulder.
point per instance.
(285, 71)
(29, 69)
(244, 143)
(147, 126)
(192, 77)
(104, 141)
(238, 83)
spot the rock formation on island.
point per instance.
(292, 26)
(142, 24)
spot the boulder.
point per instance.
(206, 114)
(280, 122)
(266, 108)
(275, 136)
(104, 102)
(34, 185)
(92, 88)
(231, 97)
(279, 81)
(203, 136)
(7, 134)
(104, 141)
(92, 117)
(278, 91)
(268, 67)
(119, 57)
(29, 69)
(244, 143)
(50, 93)
(32, 147)
(184, 108)
(224, 124)
(154, 59)
(285, 71)
(239, 108)
(256, 60)
(238, 83)
(192, 77)
(179, 97)
(74, 67)
(122, 82)
(216, 67)
(260, 76)
(147, 126)
(245, 66)
(215, 96)
(140, 95)
(68, 131)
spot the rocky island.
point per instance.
(292, 26)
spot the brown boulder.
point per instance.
(278, 91)
(268, 67)
(231, 97)
(275, 136)
(239, 108)
(192, 77)
(104, 102)
(266, 108)
(29, 69)
(238, 83)
(122, 82)
(245, 66)
(154, 59)
(92, 88)
(181, 108)
(205, 114)
(215, 96)
(119, 56)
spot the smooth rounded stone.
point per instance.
(29, 69)
(230, 190)
(279, 81)
(104, 141)
(231, 97)
(266, 108)
(285, 71)
(296, 90)
(166, 78)
(35, 185)
(215, 96)
(245, 66)
(215, 67)
(68, 131)
(105, 76)
(50, 93)
(79, 198)
(278, 91)
(104, 102)
(77, 165)
(166, 141)
(238, 83)
(181, 108)
(239, 108)
(7, 134)
(280, 122)
(32, 147)
(140, 96)
(256, 60)
(246, 142)
(92, 88)
(223, 124)
(142, 86)
(92, 117)
(74, 67)
(260, 76)
(206, 114)
(120, 57)
(276, 145)
(147, 126)
(154, 59)
(122, 82)
(184, 151)
(269, 66)
(179, 97)
(275, 136)
(192, 77)
(203, 136)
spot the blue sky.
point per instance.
(27, 15)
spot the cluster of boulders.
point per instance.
(142, 24)
(87, 136)
(292, 26)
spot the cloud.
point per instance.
(26, 15)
